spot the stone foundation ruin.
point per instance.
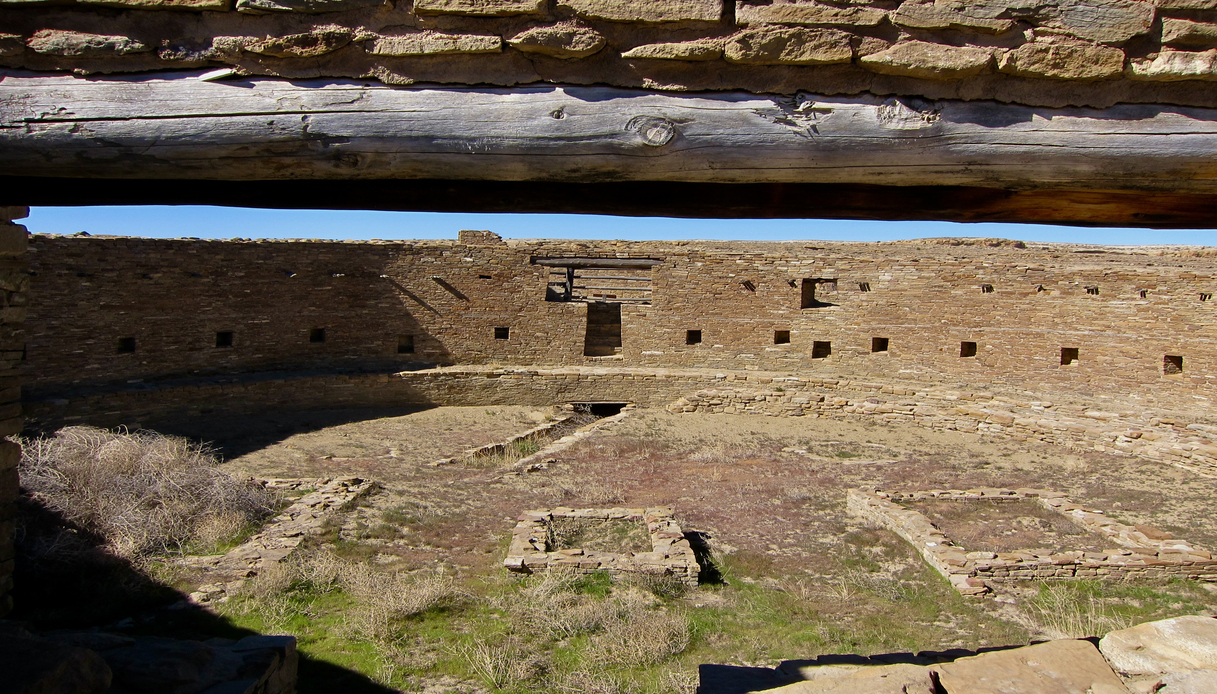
(1143, 552)
(533, 547)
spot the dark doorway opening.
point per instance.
(600, 409)
(603, 337)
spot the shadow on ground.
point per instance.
(64, 579)
(738, 679)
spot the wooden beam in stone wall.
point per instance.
(176, 126)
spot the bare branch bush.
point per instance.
(140, 492)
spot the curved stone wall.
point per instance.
(1055, 53)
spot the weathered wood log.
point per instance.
(174, 126)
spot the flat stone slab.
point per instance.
(1166, 646)
(883, 679)
(1055, 667)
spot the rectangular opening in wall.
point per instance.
(224, 338)
(502, 333)
(1172, 364)
(126, 345)
(612, 280)
(405, 344)
(1068, 355)
(316, 335)
(1092, 289)
(692, 337)
(603, 335)
(878, 344)
(820, 350)
(781, 337)
(967, 349)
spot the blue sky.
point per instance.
(232, 222)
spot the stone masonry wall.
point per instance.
(1057, 52)
(112, 313)
(14, 282)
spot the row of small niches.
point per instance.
(821, 349)
(226, 338)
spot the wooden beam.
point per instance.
(597, 262)
(173, 126)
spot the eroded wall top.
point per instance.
(1049, 52)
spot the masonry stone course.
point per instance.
(1111, 49)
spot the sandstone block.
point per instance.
(1188, 33)
(79, 44)
(1055, 667)
(1168, 645)
(481, 8)
(691, 50)
(434, 43)
(567, 40)
(13, 239)
(942, 14)
(306, 45)
(1103, 21)
(928, 61)
(195, 5)
(10, 44)
(303, 6)
(806, 12)
(1071, 61)
(880, 679)
(646, 11)
(1173, 66)
(780, 46)
(11, 212)
(1189, 682)
(33, 664)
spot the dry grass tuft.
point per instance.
(642, 640)
(1062, 612)
(140, 493)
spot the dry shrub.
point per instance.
(1062, 612)
(594, 682)
(642, 639)
(139, 493)
(498, 666)
(386, 598)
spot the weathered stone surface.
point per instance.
(1055, 667)
(647, 10)
(307, 45)
(303, 6)
(779, 46)
(1168, 645)
(567, 40)
(195, 5)
(1104, 21)
(882, 679)
(1173, 66)
(11, 44)
(481, 8)
(434, 43)
(75, 43)
(942, 14)
(1186, 4)
(806, 12)
(1189, 682)
(928, 60)
(1072, 61)
(691, 50)
(1183, 32)
(32, 665)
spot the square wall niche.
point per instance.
(781, 337)
(616, 540)
(692, 337)
(967, 349)
(878, 344)
(1069, 355)
(821, 349)
(1172, 364)
(502, 333)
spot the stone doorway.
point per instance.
(603, 337)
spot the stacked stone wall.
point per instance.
(1080, 52)
(115, 311)
(14, 282)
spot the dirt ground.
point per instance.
(774, 487)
